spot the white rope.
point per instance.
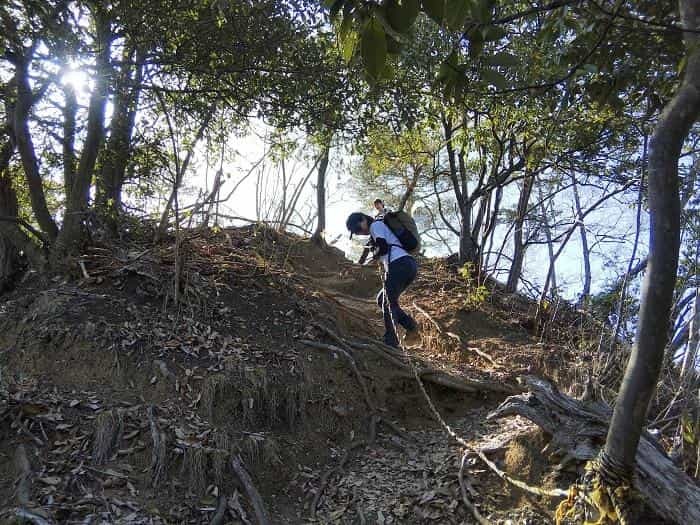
(446, 427)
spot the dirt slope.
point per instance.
(130, 391)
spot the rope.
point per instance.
(556, 493)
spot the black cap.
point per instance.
(353, 222)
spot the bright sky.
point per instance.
(608, 260)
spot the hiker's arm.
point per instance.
(382, 248)
(364, 255)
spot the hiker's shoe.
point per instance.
(412, 338)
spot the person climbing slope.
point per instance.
(400, 267)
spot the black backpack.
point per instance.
(404, 227)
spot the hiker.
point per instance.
(400, 268)
(381, 209)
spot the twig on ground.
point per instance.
(465, 498)
(27, 432)
(251, 491)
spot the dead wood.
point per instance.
(579, 430)
(251, 491)
(463, 485)
(220, 514)
(24, 481)
(26, 510)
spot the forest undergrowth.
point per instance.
(236, 377)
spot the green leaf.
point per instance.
(374, 49)
(494, 78)
(502, 59)
(435, 9)
(348, 46)
(402, 13)
(490, 33)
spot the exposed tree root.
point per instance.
(26, 511)
(159, 450)
(463, 485)
(438, 377)
(108, 432)
(351, 361)
(251, 491)
(219, 516)
(443, 332)
(579, 429)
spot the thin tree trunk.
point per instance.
(69, 128)
(644, 366)
(585, 252)
(516, 268)
(688, 369)
(180, 169)
(321, 194)
(71, 235)
(25, 147)
(116, 152)
(619, 318)
(467, 246)
(551, 279)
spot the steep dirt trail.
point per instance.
(414, 478)
(129, 406)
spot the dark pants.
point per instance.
(401, 274)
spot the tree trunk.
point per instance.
(688, 369)
(116, 152)
(516, 268)
(585, 252)
(551, 278)
(643, 368)
(71, 235)
(321, 194)
(69, 127)
(10, 260)
(9, 253)
(631, 271)
(577, 429)
(25, 146)
(410, 188)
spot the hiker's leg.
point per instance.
(390, 337)
(403, 272)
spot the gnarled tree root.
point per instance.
(578, 430)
